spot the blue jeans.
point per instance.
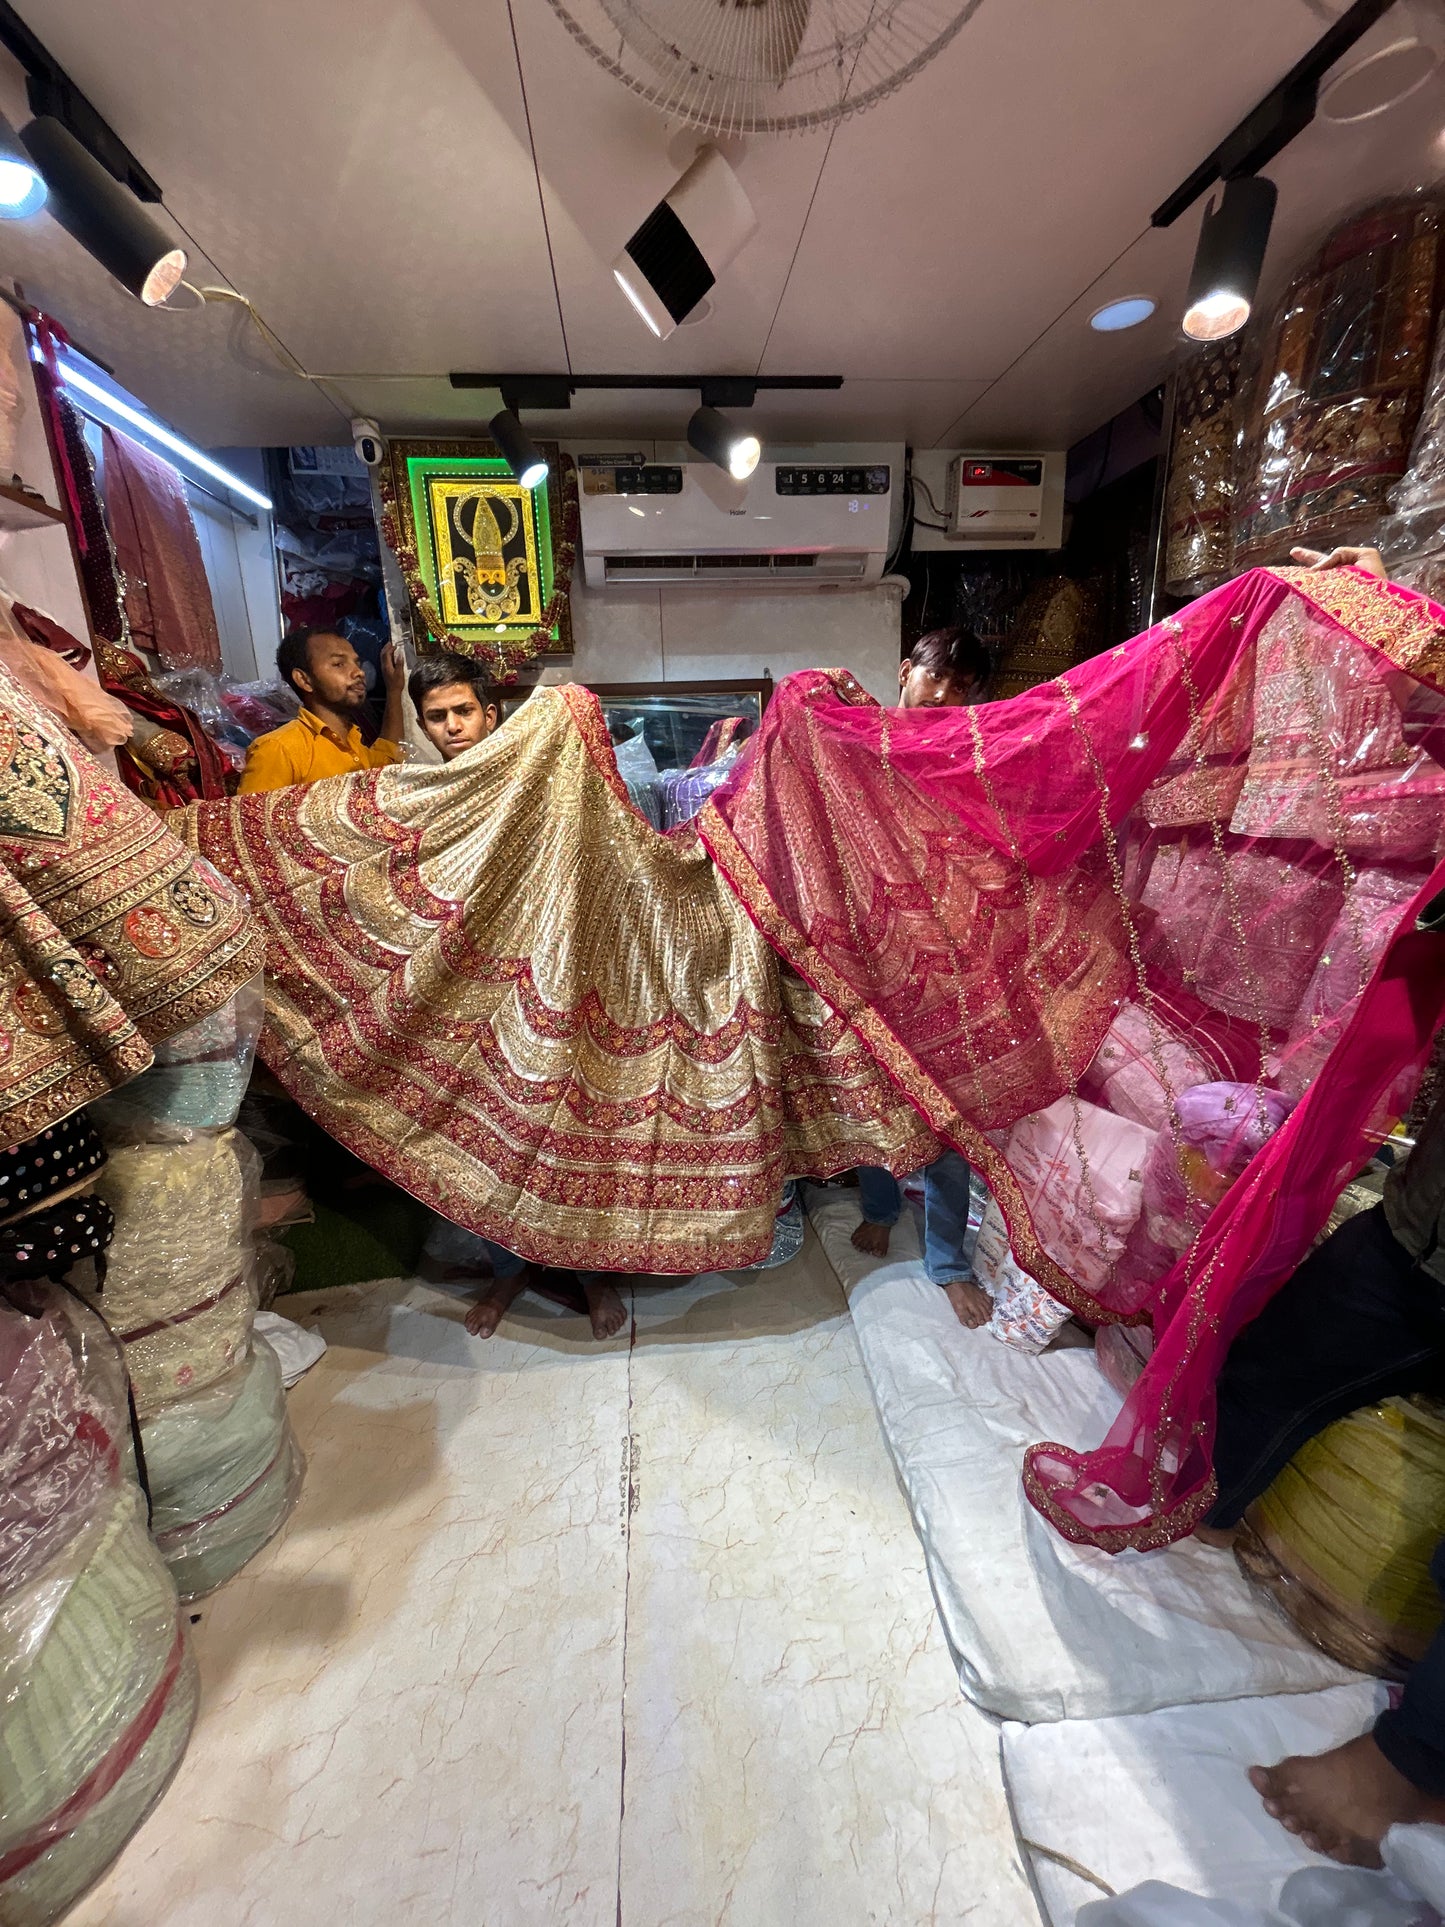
(947, 1185)
(449, 1244)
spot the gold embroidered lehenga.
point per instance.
(113, 935)
(500, 986)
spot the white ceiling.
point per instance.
(404, 187)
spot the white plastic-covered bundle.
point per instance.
(224, 1473)
(199, 1076)
(180, 1287)
(97, 1696)
(63, 1437)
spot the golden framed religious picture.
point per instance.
(487, 561)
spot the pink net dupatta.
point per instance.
(1141, 943)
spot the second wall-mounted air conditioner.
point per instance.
(794, 525)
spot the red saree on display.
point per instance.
(1141, 943)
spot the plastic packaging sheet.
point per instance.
(95, 1720)
(181, 1284)
(224, 1473)
(199, 1077)
(1344, 1537)
(1199, 492)
(63, 1431)
(1341, 384)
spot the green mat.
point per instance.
(376, 1232)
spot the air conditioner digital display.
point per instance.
(831, 481)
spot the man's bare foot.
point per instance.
(1344, 1802)
(605, 1308)
(1222, 1538)
(495, 1302)
(971, 1303)
(871, 1239)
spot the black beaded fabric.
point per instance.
(51, 1242)
(55, 1161)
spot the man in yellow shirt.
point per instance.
(326, 674)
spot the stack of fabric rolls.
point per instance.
(181, 1293)
(97, 1683)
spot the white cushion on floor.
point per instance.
(1163, 1796)
(1040, 1629)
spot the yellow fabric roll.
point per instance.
(1344, 1536)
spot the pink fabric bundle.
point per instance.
(1221, 1126)
(167, 595)
(1126, 1074)
(1281, 898)
(1080, 1169)
(1386, 794)
(1370, 917)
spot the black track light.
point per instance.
(521, 453)
(735, 449)
(1229, 258)
(106, 218)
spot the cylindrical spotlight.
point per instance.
(22, 185)
(735, 449)
(1228, 260)
(106, 218)
(522, 454)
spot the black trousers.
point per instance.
(1359, 1321)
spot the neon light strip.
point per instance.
(83, 385)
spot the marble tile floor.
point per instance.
(623, 1635)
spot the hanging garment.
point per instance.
(112, 935)
(502, 988)
(167, 595)
(1227, 818)
(176, 762)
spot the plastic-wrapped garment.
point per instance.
(224, 1473)
(199, 1077)
(1344, 1537)
(1199, 493)
(1079, 1168)
(62, 1431)
(255, 708)
(1341, 385)
(1372, 911)
(180, 1288)
(1186, 1175)
(97, 1697)
(1024, 1314)
(684, 791)
(1141, 1068)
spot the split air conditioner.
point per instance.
(795, 525)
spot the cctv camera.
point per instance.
(685, 243)
(366, 440)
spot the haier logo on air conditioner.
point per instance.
(794, 525)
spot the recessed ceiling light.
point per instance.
(1127, 313)
(1380, 81)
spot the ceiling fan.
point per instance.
(733, 67)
